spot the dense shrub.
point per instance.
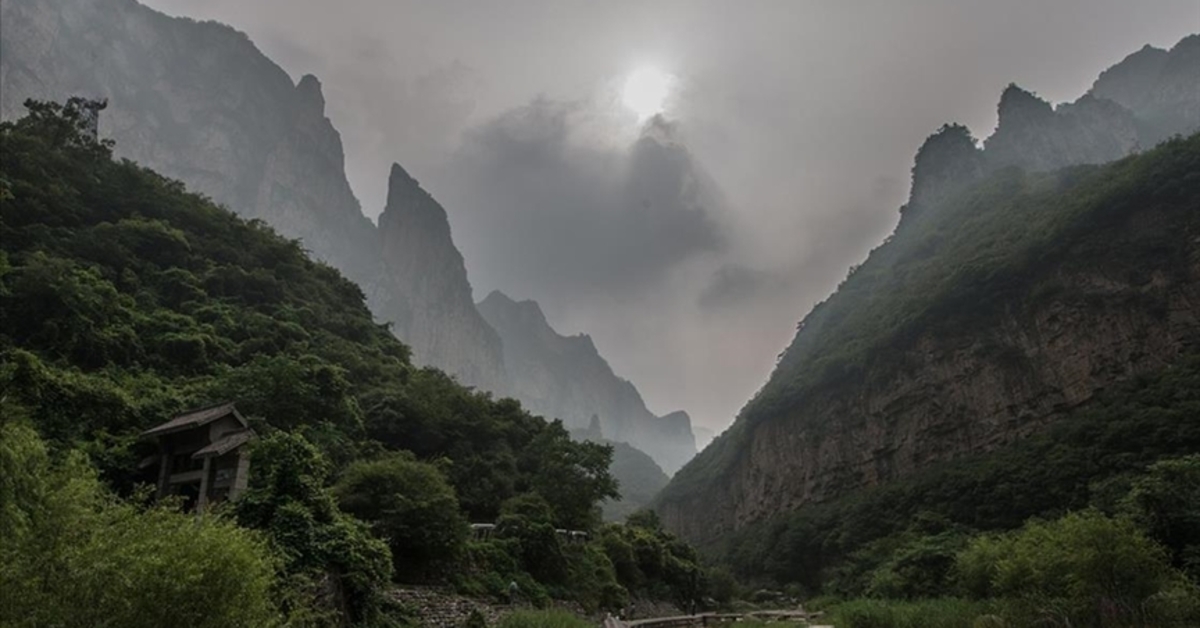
(412, 506)
(72, 554)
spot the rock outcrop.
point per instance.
(565, 377)
(421, 286)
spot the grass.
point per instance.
(936, 613)
(543, 619)
(759, 623)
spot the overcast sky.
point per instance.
(781, 158)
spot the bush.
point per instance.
(73, 555)
(410, 505)
(933, 613)
(287, 499)
(1166, 502)
(1087, 566)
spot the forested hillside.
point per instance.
(1025, 348)
(126, 300)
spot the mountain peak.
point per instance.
(406, 197)
(948, 160)
(398, 175)
(528, 312)
(1020, 105)
(308, 91)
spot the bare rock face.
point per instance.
(565, 377)
(422, 288)
(197, 102)
(954, 394)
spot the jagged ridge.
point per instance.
(565, 377)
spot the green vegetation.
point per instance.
(1084, 569)
(651, 562)
(542, 619)
(929, 613)
(125, 300)
(1089, 522)
(409, 503)
(72, 554)
(915, 526)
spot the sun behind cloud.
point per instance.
(646, 90)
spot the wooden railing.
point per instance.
(707, 619)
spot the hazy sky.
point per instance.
(788, 136)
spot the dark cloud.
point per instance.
(540, 210)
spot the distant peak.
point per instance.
(1020, 106)
(1192, 40)
(527, 310)
(403, 190)
(1016, 96)
(399, 176)
(498, 297)
(308, 90)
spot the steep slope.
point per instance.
(566, 378)
(1004, 300)
(125, 299)
(199, 102)
(638, 478)
(195, 101)
(422, 286)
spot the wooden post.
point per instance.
(164, 468)
(202, 501)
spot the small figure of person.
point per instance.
(513, 590)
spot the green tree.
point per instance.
(411, 505)
(288, 500)
(1087, 561)
(1166, 502)
(528, 522)
(71, 554)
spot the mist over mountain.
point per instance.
(565, 377)
(198, 101)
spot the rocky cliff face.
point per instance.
(951, 395)
(1118, 298)
(194, 101)
(421, 286)
(200, 103)
(565, 377)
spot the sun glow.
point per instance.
(646, 91)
